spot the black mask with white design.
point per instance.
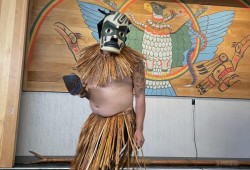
(114, 32)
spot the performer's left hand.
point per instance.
(139, 138)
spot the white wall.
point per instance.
(50, 123)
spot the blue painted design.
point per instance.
(160, 92)
(214, 26)
(92, 16)
(189, 63)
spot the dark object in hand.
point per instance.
(73, 84)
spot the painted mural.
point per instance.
(192, 49)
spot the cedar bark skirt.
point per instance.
(106, 142)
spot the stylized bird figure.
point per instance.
(164, 47)
(222, 69)
(157, 47)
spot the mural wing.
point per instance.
(181, 41)
(134, 38)
(92, 16)
(214, 28)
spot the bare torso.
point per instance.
(111, 99)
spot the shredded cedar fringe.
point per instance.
(94, 65)
(106, 143)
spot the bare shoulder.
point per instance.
(139, 79)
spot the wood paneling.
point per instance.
(13, 17)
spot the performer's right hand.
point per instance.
(139, 138)
(83, 93)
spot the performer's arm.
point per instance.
(139, 89)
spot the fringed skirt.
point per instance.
(106, 143)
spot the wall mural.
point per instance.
(192, 49)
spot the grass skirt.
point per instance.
(106, 142)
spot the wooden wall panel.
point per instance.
(13, 15)
(49, 57)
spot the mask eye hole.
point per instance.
(121, 34)
(108, 30)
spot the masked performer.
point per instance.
(112, 76)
